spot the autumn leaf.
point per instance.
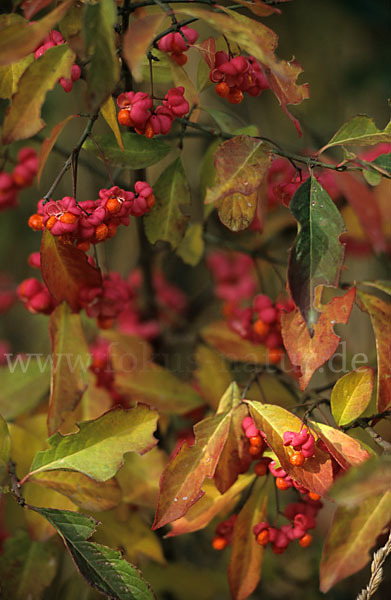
(127, 352)
(182, 479)
(99, 36)
(48, 144)
(380, 314)
(244, 570)
(358, 484)
(359, 131)
(310, 353)
(241, 164)
(34, 495)
(110, 116)
(103, 568)
(11, 74)
(19, 37)
(316, 474)
(317, 255)
(139, 477)
(5, 450)
(260, 8)
(191, 248)
(24, 383)
(210, 505)
(110, 436)
(351, 395)
(71, 360)
(23, 118)
(66, 270)
(347, 451)
(166, 221)
(138, 38)
(212, 374)
(352, 535)
(230, 344)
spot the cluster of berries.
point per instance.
(233, 273)
(93, 220)
(236, 75)
(254, 435)
(22, 176)
(177, 43)
(303, 443)
(137, 111)
(224, 533)
(302, 517)
(54, 38)
(36, 296)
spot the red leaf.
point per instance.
(307, 352)
(207, 49)
(351, 537)
(31, 7)
(66, 270)
(380, 313)
(260, 8)
(244, 570)
(347, 451)
(181, 481)
(316, 474)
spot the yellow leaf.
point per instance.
(109, 114)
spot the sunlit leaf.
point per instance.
(380, 314)
(103, 568)
(23, 118)
(27, 568)
(368, 479)
(5, 450)
(19, 38)
(244, 570)
(10, 75)
(352, 535)
(139, 152)
(230, 344)
(316, 474)
(139, 477)
(110, 116)
(182, 479)
(212, 374)
(65, 270)
(166, 221)
(38, 527)
(138, 38)
(309, 353)
(158, 387)
(346, 450)
(351, 395)
(104, 67)
(359, 131)
(317, 255)
(24, 382)
(27, 439)
(211, 504)
(71, 360)
(97, 449)
(49, 142)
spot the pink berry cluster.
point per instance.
(302, 517)
(235, 75)
(224, 533)
(255, 437)
(177, 43)
(54, 38)
(22, 176)
(303, 442)
(233, 273)
(93, 220)
(137, 111)
(36, 296)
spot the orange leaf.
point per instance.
(66, 270)
(48, 143)
(351, 537)
(138, 39)
(347, 451)
(316, 474)
(307, 352)
(380, 313)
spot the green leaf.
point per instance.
(316, 474)
(351, 395)
(103, 568)
(104, 67)
(23, 119)
(181, 481)
(5, 450)
(244, 570)
(10, 75)
(24, 382)
(27, 568)
(71, 359)
(191, 248)
(166, 221)
(158, 387)
(317, 255)
(352, 535)
(359, 131)
(383, 161)
(139, 152)
(358, 484)
(20, 37)
(97, 449)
